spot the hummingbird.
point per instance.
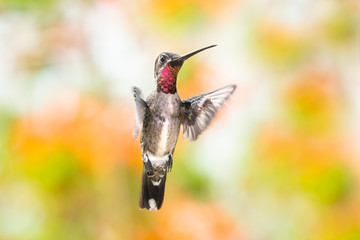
(160, 118)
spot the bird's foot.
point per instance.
(169, 164)
(148, 165)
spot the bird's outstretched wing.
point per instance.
(141, 108)
(197, 112)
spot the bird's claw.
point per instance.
(148, 166)
(169, 164)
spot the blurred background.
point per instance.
(280, 160)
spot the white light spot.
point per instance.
(152, 204)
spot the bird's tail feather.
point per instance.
(151, 193)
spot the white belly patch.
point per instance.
(161, 155)
(163, 138)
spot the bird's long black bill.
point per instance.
(190, 54)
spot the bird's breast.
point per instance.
(162, 126)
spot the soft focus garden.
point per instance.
(280, 161)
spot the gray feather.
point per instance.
(141, 108)
(197, 112)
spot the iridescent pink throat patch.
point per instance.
(167, 79)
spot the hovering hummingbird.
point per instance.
(160, 118)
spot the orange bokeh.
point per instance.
(99, 135)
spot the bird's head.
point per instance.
(167, 66)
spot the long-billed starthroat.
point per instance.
(160, 118)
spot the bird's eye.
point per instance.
(162, 58)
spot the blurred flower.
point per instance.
(279, 45)
(185, 219)
(182, 17)
(312, 102)
(77, 132)
(340, 27)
